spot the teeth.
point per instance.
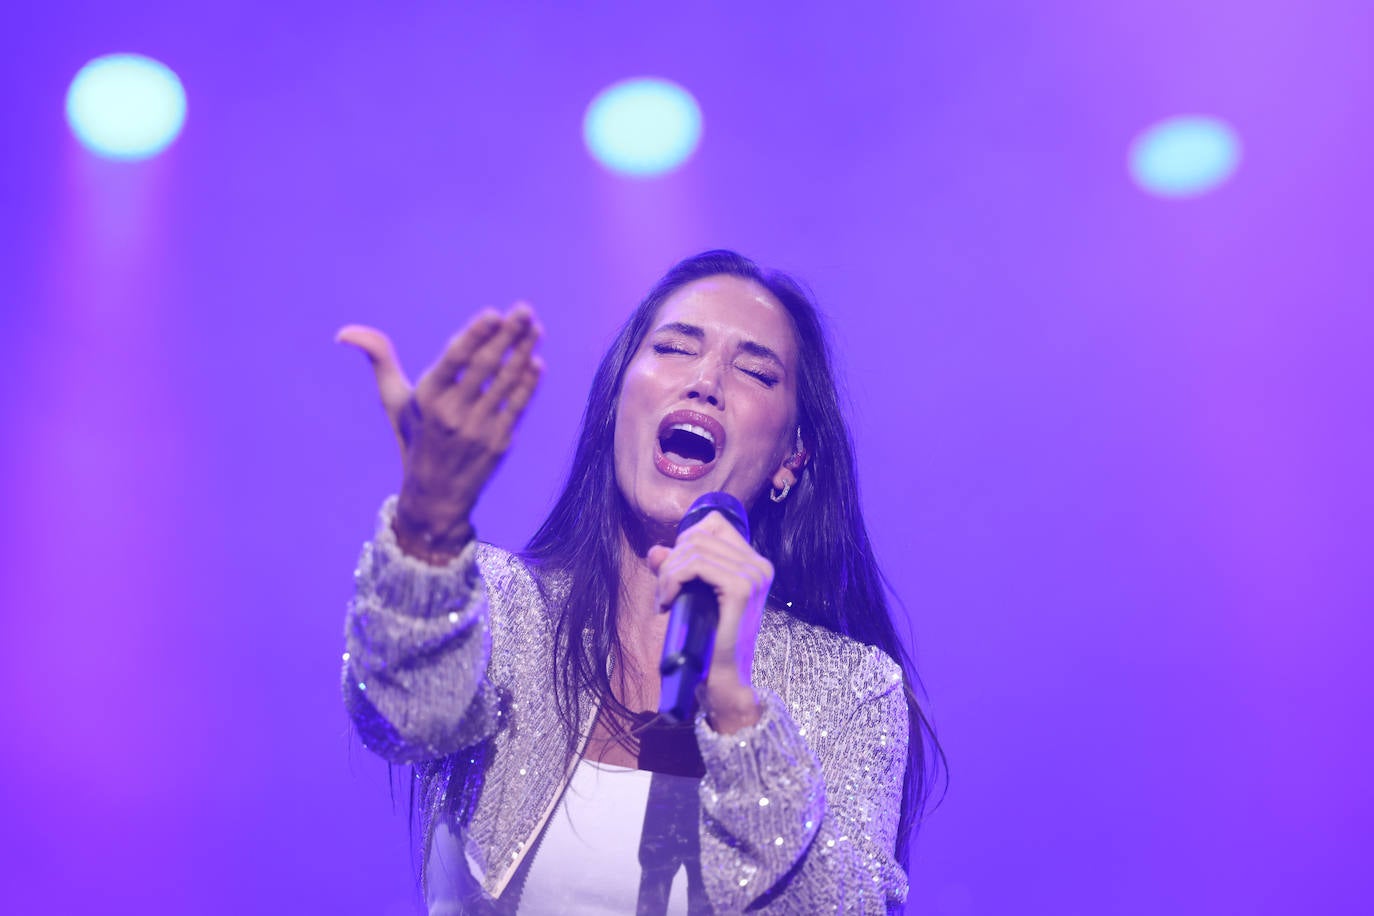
(695, 430)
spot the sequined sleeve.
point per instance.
(418, 643)
(789, 829)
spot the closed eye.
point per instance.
(767, 378)
(662, 348)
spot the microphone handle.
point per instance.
(687, 648)
(691, 636)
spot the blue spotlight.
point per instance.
(642, 127)
(1184, 156)
(126, 106)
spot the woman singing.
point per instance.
(522, 686)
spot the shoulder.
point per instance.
(798, 656)
(514, 580)
(500, 566)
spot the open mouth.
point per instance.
(688, 443)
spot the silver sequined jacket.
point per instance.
(798, 812)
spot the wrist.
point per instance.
(730, 705)
(433, 540)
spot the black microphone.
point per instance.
(692, 622)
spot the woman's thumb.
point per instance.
(392, 383)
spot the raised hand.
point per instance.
(455, 424)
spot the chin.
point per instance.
(662, 504)
(669, 508)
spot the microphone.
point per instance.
(692, 622)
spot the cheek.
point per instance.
(631, 411)
(772, 434)
(623, 441)
(642, 394)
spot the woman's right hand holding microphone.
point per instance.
(455, 424)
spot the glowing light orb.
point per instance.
(126, 106)
(642, 127)
(1184, 156)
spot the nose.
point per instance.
(706, 387)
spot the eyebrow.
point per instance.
(753, 348)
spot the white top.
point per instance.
(620, 841)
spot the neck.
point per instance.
(640, 624)
(639, 533)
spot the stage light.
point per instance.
(642, 127)
(126, 106)
(1184, 156)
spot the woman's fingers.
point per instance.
(733, 577)
(459, 351)
(487, 360)
(716, 554)
(511, 372)
(657, 554)
(503, 425)
(392, 383)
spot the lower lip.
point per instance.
(668, 468)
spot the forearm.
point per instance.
(783, 831)
(418, 642)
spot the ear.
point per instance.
(787, 473)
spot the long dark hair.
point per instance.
(816, 539)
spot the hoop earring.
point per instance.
(777, 497)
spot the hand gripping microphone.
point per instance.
(692, 622)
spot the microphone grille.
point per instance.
(725, 504)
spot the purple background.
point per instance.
(1115, 449)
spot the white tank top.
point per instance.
(620, 841)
